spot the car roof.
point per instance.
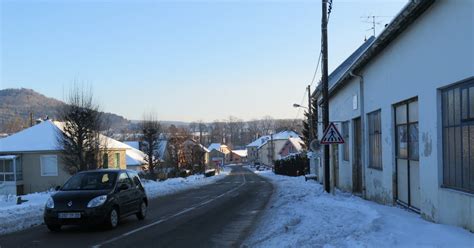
(106, 170)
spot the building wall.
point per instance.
(343, 108)
(417, 64)
(252, 154)
(32, 179)
(214, 154)
(263, 151)
(34, 182)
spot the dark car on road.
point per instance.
(96, 197)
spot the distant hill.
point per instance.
(17, 104)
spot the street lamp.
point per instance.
(299, 106)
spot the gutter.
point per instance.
(362, 127)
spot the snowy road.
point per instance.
(216, 215)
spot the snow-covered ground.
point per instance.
(18, 217)
(301, 214)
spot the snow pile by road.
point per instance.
(18, 217)
(301, 214)
(173, 185)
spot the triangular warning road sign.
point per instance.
(332, 136)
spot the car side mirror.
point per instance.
(57, 188)
(123, 186)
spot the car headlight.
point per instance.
(99, 200)
(50, 202)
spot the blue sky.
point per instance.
(184, 60)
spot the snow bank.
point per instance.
(18, 217)
(174, 185)
(301, 214)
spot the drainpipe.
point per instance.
(362, 125)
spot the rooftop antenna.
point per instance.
(372, 19)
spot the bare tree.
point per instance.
(201, 128)
(176, 140)
(150, 133)
(267, 125)
(80, 139)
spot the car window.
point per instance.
(124, 179)
(135, 178)
(91, 181)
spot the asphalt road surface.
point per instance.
(221, 214)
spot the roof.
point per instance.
(285, 135)
(161, 149)
(40, 137)
(204, 148)
(135, 157)
(214, 146)
(134, 144)
(258, 142)
(297, 143)
(241, 153)
(43, 137)
(338, 73)
(412, 10)
(8, 157)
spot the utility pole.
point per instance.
(324, 81)
(310, 115)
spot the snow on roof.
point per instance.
(259, 141)
(241, 153)
(43, 137)
(135, 157)
(8, 157)
(134, 144)
(204, 148)
(285, 135)
(297, 143)
(214, 146)
(161, 149)
(40, 137)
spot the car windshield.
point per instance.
(91, 181)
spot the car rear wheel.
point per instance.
(54, 228)
(113, 218)
(142, 211)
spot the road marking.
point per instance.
(170, 217)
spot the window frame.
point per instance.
(117, 160)
(345, 134)
(371, 158)
(453, 167)
(42, 168)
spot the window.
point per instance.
(117, 160)
(6, 171)
(19, 169)
(406, 130)
(457, 107)
(49, 165)
(345, 134)
(105, 161)
(135, 178)
(124, 179)
(375, 140)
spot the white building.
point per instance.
(407, 110)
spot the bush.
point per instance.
(297, 165)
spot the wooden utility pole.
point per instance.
(310, 115)
(324, 81)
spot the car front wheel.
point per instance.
(113, 218)
(142, 211)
